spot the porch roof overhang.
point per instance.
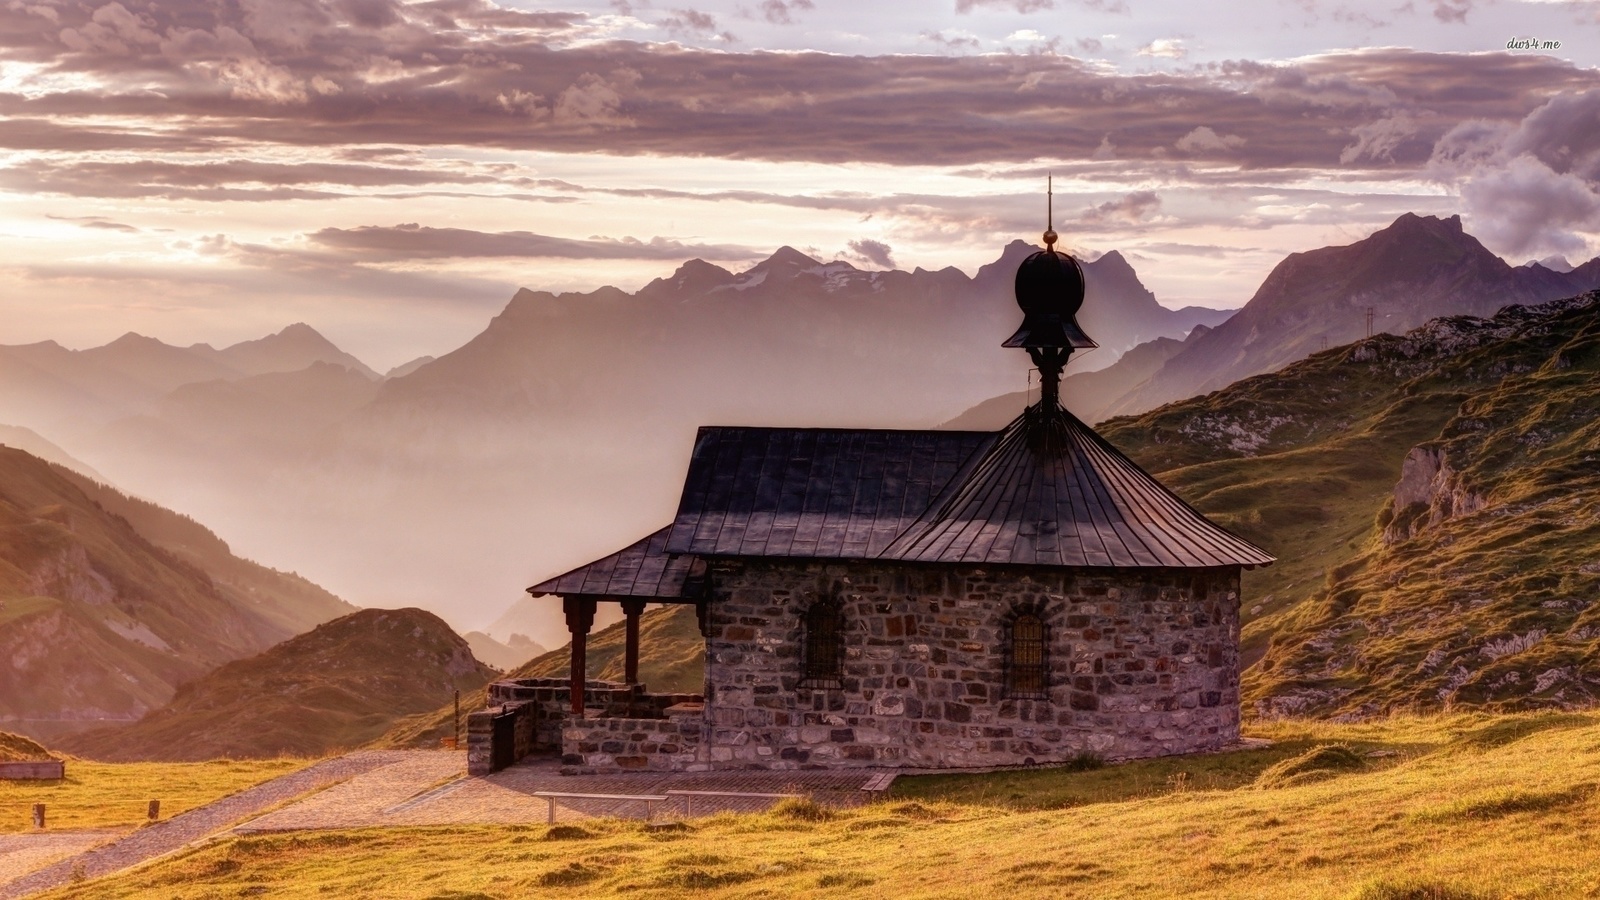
(642, 570)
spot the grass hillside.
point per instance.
(1480, 587)
(671, 659)
(1457, 807)
(16, 748)
(107, 603)
(117, 795)
(338, 686)
(289, 602)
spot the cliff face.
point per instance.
(1429, 491)
(1433, 500)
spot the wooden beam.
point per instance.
(632, 608)
(580, 618)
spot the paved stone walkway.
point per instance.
(152, 841)
(404, 787)
(417, 793)
(24, 853)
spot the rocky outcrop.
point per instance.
(1428, 492)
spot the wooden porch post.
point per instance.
(632, 608)
(580, 618)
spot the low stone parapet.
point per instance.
(671, 743)
(34, 770)
(541, 709)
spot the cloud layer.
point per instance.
(467, 72)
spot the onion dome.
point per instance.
(1050, 291)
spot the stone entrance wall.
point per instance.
(542, 708)
(1141, 663)
(670, 743)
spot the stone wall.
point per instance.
(542, 707)
(1141, 663)
(40, 770)
(603, 743)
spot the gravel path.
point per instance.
(24, 853)
(421, 792)
(152, 841)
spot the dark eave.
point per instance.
(642, 569)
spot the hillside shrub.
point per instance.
(1318, 763)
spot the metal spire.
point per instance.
(1049, 211)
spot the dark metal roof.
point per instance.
(1045, 491)
(641, 569)
(813, 492)
(1052, 492)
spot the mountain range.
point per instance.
(453, 483)
(1417, 269)
(562, 428)
(108, 603)
(338, 686)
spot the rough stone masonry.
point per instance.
(1141, 663)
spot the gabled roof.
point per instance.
(813, 492)
(641, 569)
(1045, 491)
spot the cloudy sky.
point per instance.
(390, 171)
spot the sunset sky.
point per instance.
(390, 172)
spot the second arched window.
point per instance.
(824, 646)
(1025, 659)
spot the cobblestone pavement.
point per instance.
(404, 787)
(156, 840)
(24, 853)
(412, 794)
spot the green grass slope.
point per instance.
(108, 603)
(671, 660)
(1459, 807)
(1481, 588)
(16, 748)
(338, 686)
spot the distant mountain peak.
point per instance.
(135, 339)
(1113, 262)
(693, 275)
(1412, 220)
(300, 330)
(293, 348)
(785, 257)
(1555, 263)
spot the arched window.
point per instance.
(823, 661)
(1025, 662)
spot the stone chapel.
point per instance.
(910, 599)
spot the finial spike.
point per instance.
(1049, 211)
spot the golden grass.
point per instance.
(110, 795)
(1458, 807)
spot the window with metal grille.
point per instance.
(1025, 669)
(824, 646)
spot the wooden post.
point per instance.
(155, 810)
(580, 618)
(38, 815)
(457, 744)
(630, 652)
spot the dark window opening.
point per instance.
(824, 646)
(1025, 670)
